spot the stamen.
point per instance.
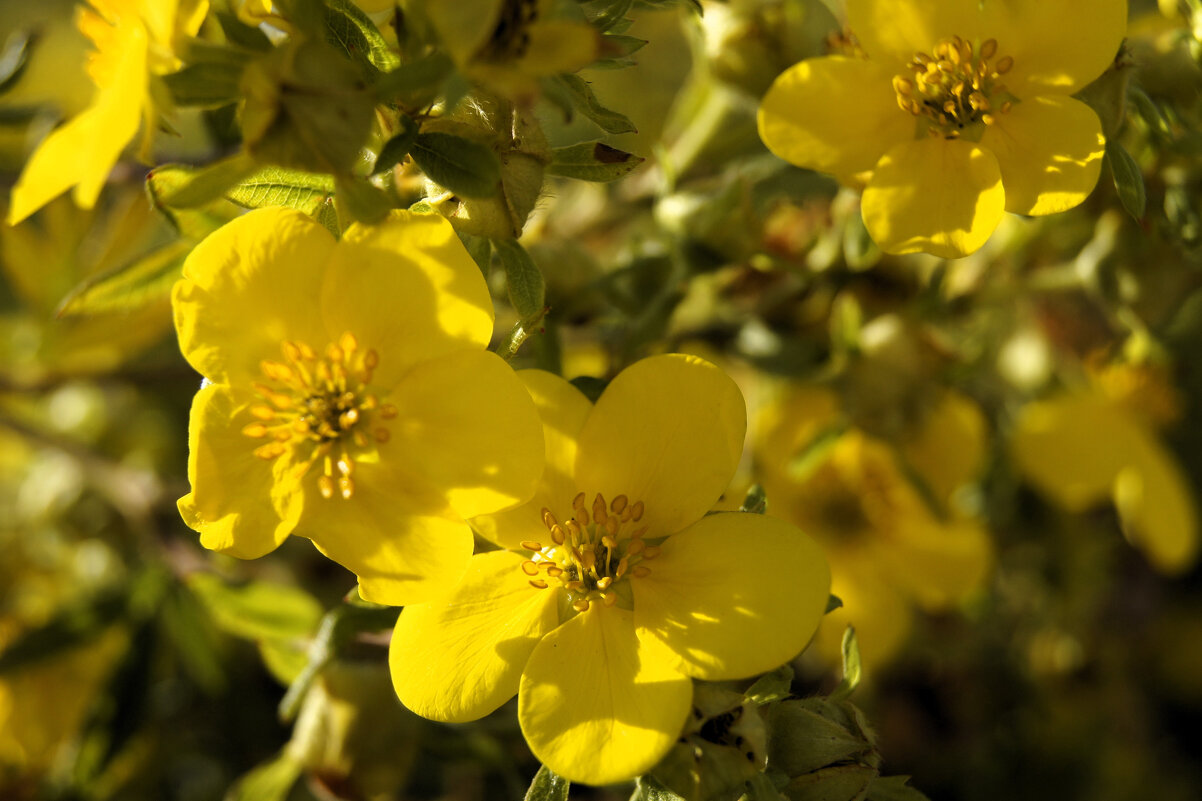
(530, 567)
(538, 584)
(531, 545)
(581, 605)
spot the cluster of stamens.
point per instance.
(320, 402)
(591, 554)
(511, 37)
(955, 87)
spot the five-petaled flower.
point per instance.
(134, 39)
(616, 588)
(349, 397)
(953, 112)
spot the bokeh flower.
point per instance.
(133, 39)
(952, 112)
(616, 587)
(883, 512)
(343, 397)
(1083, 448)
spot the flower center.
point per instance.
(591, 555)
(320, 404)
(956, 88)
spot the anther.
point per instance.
(599, 513)
(325, 485)
(530, 567)
(604, 582)
(388, 411)
(538, 584)
(346, 487)
(382, 435)
(548, 518)
(636, 511)
(641, 571)
(635, 547)
(580, 606)
(531, 545)
(348, 342)
(618, 504)
(989, 48)
(371, 359)
(557, 534)
(609, 598)
(652, 552)
(263, 412)
(345, 465)
(255, 430)
(578, 501)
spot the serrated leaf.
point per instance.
(587, 104)
(352, 31)
(840, 783)
(1128, 179)
(176, 186)
(548, 786)
(396, 148)
(893, 788)
(130, 286)
(278, 186)
(592, 161)
(804, 739)
(527, 291)
(465, 167)
(257, 610)
(271, 781)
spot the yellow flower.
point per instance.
(349, 398)
(890, 545)
(957, 111)
(616, 587)
(1081, 449)
(133, 38)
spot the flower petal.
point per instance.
(594, 705)
(240, 504)
(1072, 448)
(247, 287)
(1059, 46)
(1049, 150)
(941, 196)
(947, 449)
(459, 659)
(83, 151)
(668, 431)
(805, 117)
(402, 550)
(733, 595)
(1157, 510)
(937, 564)
(408, 288)
(467, 426)
(563, 410)
(891, 32)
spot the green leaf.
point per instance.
(257, 610)
(130, 286)
(206, 84)
(811, 733)
(756, 501)
(71, 627)
(832, 603)
(184, 622)
(416, 81)
(527, 292)
(362, 200)
(351, 30)
(648, 789)
(839, 783)
(396, 148)
(271, 781)
(175, 186)
(592, 161)
(852, 668)
(1128, 179)
(587, 104)
(327, 215)
(605, 14)
(15, 57)
(774, 686)
(548, 786)
(893, 788)
(278, 186)
(465, 167)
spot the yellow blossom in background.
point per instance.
(133, 38)
(509, 44)
(893, 545)
(952, 112)
(344, 397)
(616, 588)
(1081, 449)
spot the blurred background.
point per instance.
(1001, 454)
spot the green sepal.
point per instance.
(1128, 179)
(467, 168)
(527, 290)
(592, 161)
